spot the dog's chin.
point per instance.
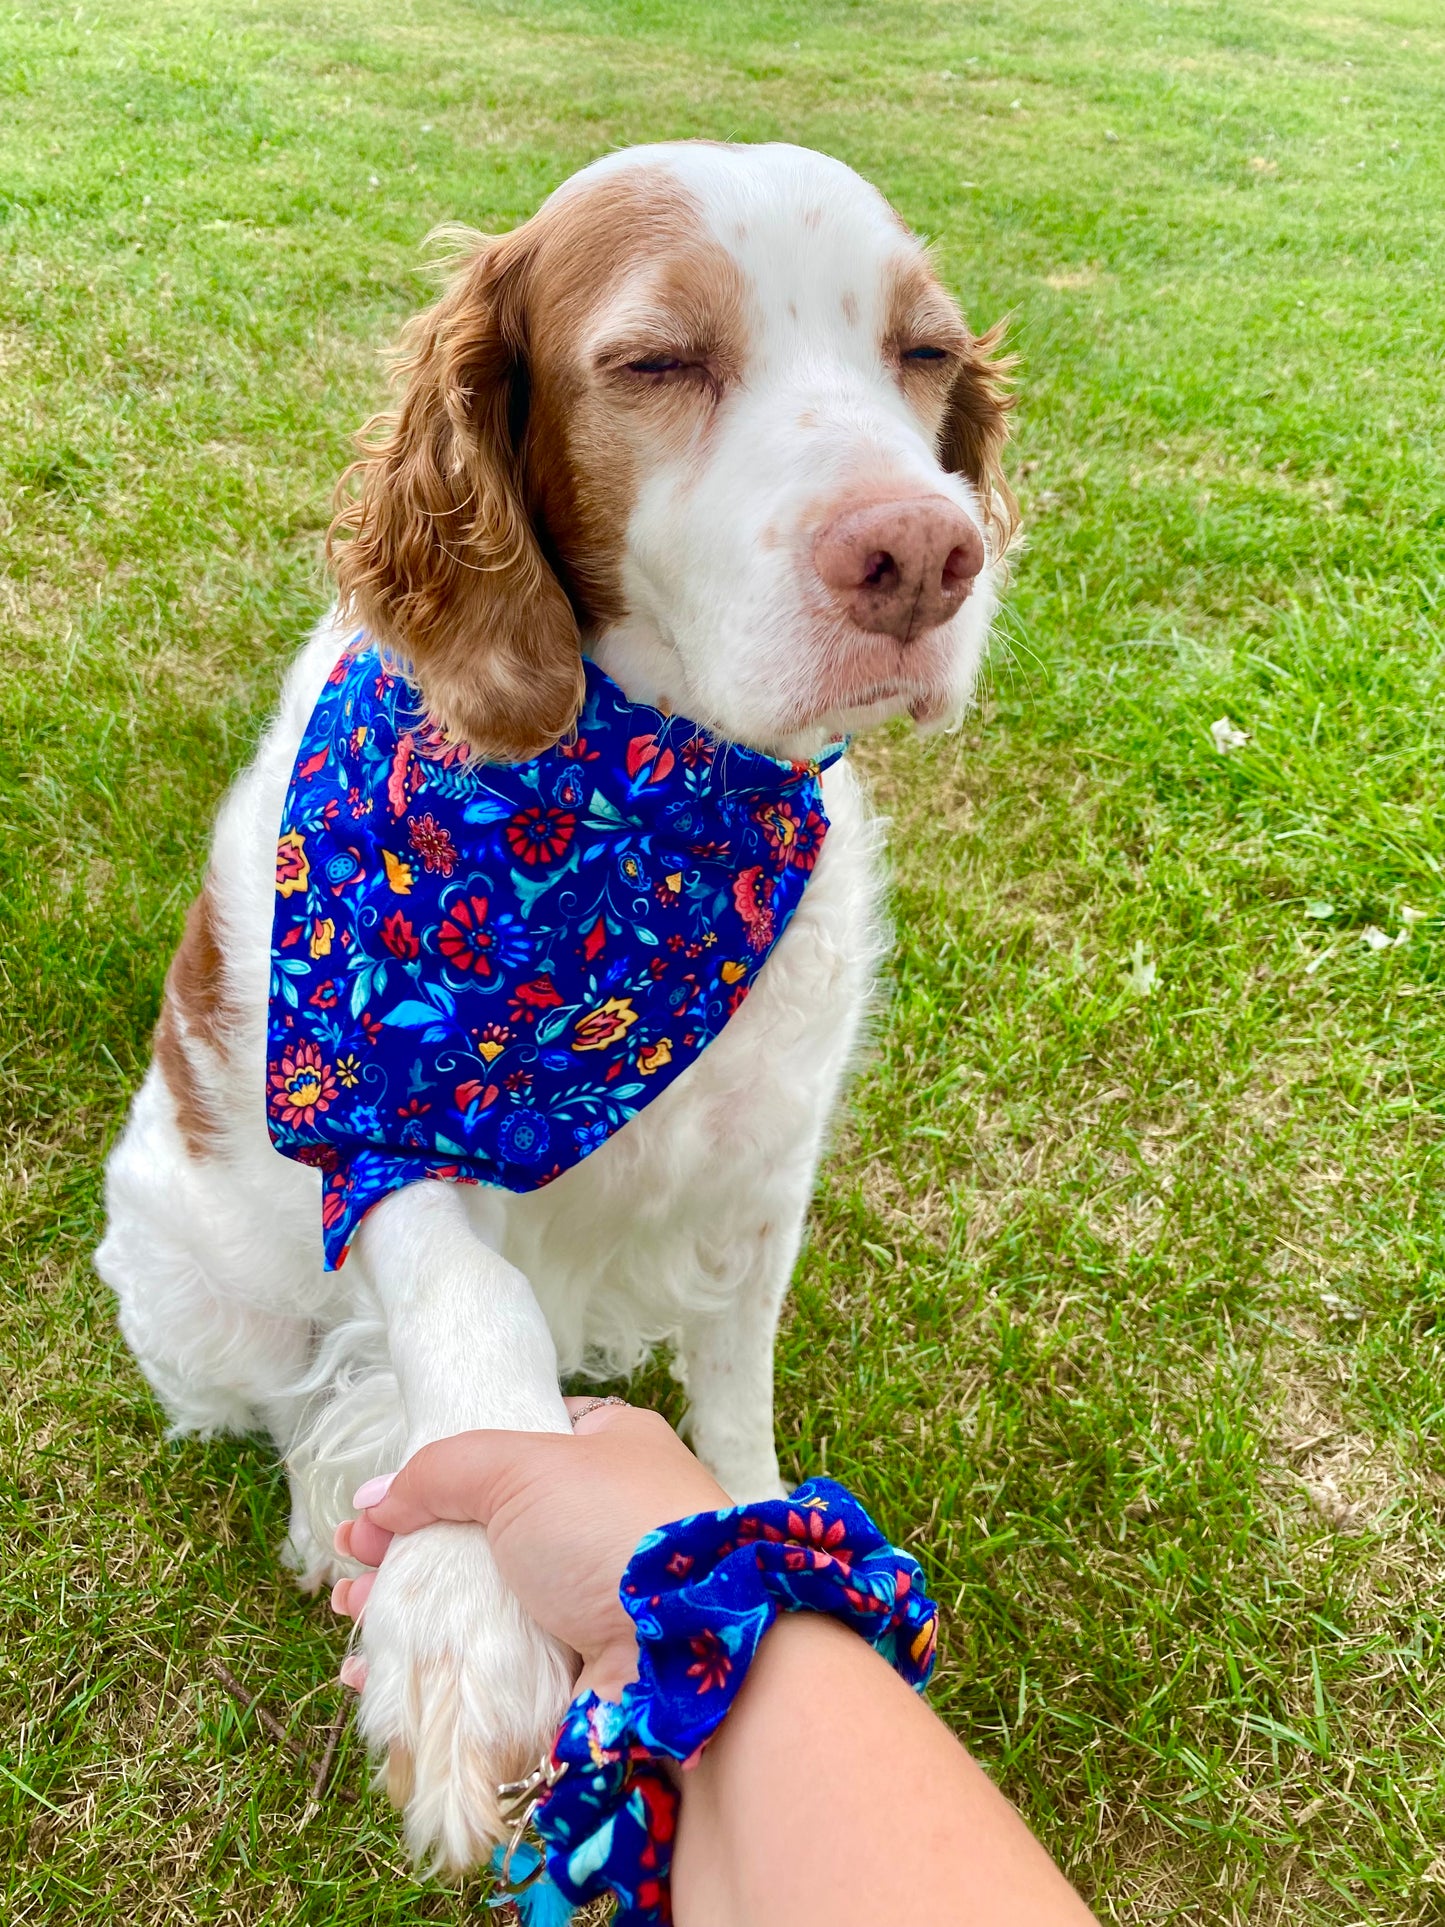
(939, 711)
(809, 728)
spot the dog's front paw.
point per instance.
(462, 1690)
(747, 1476)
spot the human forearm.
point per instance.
(832, 1795)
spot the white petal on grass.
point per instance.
(1341, 1308)
(1410, 917)
(1142, 974)
(1227, 736)
(1319, 910)
(1375, 937)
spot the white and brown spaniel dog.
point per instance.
(710, 419)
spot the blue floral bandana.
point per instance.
(480, 971)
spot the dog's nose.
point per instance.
(898, 568)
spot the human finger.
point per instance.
(349, 1596)
(462, 1478)
(365, 1542)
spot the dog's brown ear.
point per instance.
(432, 544)
(975, 429)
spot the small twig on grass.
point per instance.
(321, 1779)
(251, 1703)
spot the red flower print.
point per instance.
(301, 1084)
(539, 836)
(814, 1543)
(412, 1109)
(399, 937)
(325, 996)
(646, 753)
(863, 1602)
(463, 938)
(680, 1564)
(474, 1093)
(373, 1027)
(753, 900)
(794, 842)
(577, 751)
(529, 1000)
(814, 1530)
(293, 871)
(751, 1528)
(711, 1664)
(405, 779)
(433, 844)
(697, 751)
(595, 942)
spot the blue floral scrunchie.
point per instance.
(702, 1593)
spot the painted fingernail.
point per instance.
(341, 1539)
(353, 1672)
(338, 1595)
(373, 1492)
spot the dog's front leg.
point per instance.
(727, 1356)
(462, 1689)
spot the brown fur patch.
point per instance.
(975, 429)
(595, 425)
(487, 531)
(400, 1774)
(850, 309)
(970, 391)
(193, 1005)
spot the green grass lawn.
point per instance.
(1124, 1295)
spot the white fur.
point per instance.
(460, 1306)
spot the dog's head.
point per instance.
(711, 413)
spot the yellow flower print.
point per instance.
(732, 972)
(399, 875)
(323, 929)
(293, 871)
(921, 1649)
(346, 1070)
(603, 1026)
(652, 1057)
(493, 1041)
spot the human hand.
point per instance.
(563, 1517)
